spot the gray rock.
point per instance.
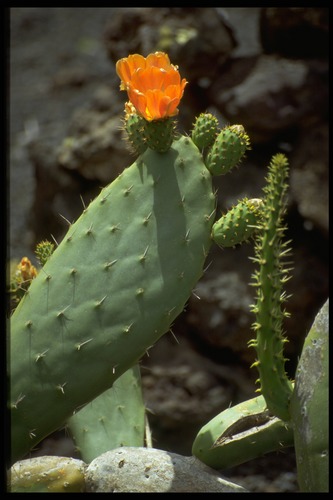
(148, 470)
(278, 93)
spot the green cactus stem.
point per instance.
(269, 280)
(309, 408)
(123, 272)
(239, 224)
(115, 418)
(241, 433)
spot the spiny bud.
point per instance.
(238, 224)
(134, 127)
(205, 130)
(228, 149)
(44, 250)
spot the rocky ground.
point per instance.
(264, 68)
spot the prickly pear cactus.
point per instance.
(113, 286)
(228, 149)
(126, 268)
(47, 475)
(115, 418)
(205, 130)
(238, 224)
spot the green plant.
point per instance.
(271, 420)
(125, 270)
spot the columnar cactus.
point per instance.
(287, 413)
(269, 281)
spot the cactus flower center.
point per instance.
(153, 84)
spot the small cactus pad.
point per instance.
(205, 130)
(238, 224)
(47, 475)
(227, 150)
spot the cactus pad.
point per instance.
(227, 150)
(123, 272)
(238, 224)
(205, 130)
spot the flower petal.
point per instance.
(153, 84)
(127, 66)
(158, 59)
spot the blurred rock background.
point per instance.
(265, 68)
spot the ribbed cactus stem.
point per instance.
(269, 280)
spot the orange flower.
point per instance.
(153, 84)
